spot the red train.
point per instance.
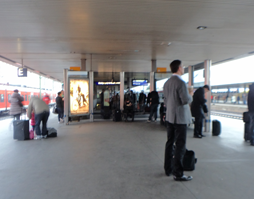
(7, 91)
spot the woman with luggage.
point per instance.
(16, 105)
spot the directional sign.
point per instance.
(22, 72)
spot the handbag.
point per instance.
(55, 110)
(20, 103)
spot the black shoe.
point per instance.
(252, 144)
(197, 136)
(168, 173)
(203, 135)
(183, 178)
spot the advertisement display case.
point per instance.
(79, 96)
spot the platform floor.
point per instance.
(123, 160)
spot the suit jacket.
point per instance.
(177, 100)
(198, 105)
(251, 98)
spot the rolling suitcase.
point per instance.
(106, 112)
(216, 128)
(189, 161)
(117, 115)
(246, 132)
(21, 130)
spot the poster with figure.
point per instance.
(79, 96)
(106, 98)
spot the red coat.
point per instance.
(46, 99)
(32, 120)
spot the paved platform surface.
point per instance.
(124, 160)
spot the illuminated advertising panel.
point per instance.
(79, 96)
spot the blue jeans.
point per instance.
(17, 116)
(41, 117)
(60, 113)
(153, 110)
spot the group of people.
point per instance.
(37, 111)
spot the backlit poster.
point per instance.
(79, 96)
(106, 98)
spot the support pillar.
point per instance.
(83, 65)
(191, 79)
(121, 90)
(40, 84)
(152, 81)
(66, 96)
(91, 94)
(207, 65)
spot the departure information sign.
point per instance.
(139, 82)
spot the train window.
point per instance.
(2, 97)
(9, 97)
(25, 97)
(28, 97)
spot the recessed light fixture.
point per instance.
(201, 27)
(169, 43)
(162, 43)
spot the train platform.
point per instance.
(113, 160)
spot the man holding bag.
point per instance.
(198, 108)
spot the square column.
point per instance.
(91, 94)
(66, 97)
(190, 71)
(121, 90)
(207, 65)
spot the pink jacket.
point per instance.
(32, 120)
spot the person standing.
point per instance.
(141, 101)
(46, 99)
(154, 101)
(177, 100)
(198, 108)
(251, 113)
(16, 105)
(60, 107)
(41, 114)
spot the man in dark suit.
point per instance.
(177, 100)
(251, 112)
(153, 99)
(198, 108)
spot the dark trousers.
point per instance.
(153, 111)
(41, 117)
(175, 133)
(17, 116)
(60, 113)
(251, 127)
(198, 126)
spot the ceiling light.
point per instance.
(169, 43)
(201, 27)
(162, 43)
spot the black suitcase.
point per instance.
(106, 112)
(246, 117)
(21, 130)
(117, 115)
(216, 128)
(189, 161)
(51, 132)
(247, 132)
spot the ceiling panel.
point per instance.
(122, 35)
